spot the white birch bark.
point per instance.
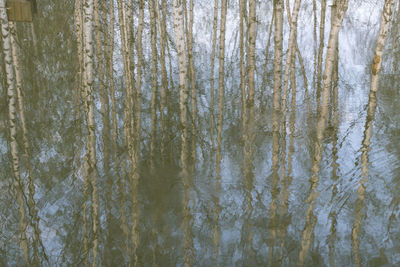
(12, 120)
(183, 100)
(212, 103)
(320, 51)
(372, 102)
(278, 46)
(31, 186)
(88, 9)
(154, 83)
(308, 231)
(192, 81)
(161, 22)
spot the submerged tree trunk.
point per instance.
(278, 46)
(376, 66)
(315, 43)
(249, 137)
(264, 78)
(308, 231)
(218, 182)
(91, 160)
(12, 120)
(161, 22)
(192, 83)
(221, 88)
(188, 249)
(34, 222)
(320, 51)
(335, 165)
(154, 83)
(214, 41)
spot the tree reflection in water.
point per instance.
(120, 146)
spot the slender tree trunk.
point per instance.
(137, 135)
(376, 66)
(242, 4)
(278, 44)
(250, 128)
(214, 41)
(12, 120)
(285, 183)
(308, 232)
(315, 43)
(179, 30)
(303, 71)
(251, 70)
(320, 51)
(335, 105)
(104, 100)
(31, 186)
(169, 108)
(192, 82)
(161, 21)
(291, 56)
(292, 44)
(88, 9)
(131, 124)
(154, 84)
(264, 78)
(81, 94)
(218, 182)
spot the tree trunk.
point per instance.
(320, 51)
(88, 9)
(154, 83)
(308, 231)
(376, 66)
(214, 40)
(12, 120)
(278, 44)
(161, 21)
(178, 11)
(31, 186)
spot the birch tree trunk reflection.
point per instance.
(91, 159)
(278, 46)
(183, 99)
(308, 231)
(12, 120)
(376, 66)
